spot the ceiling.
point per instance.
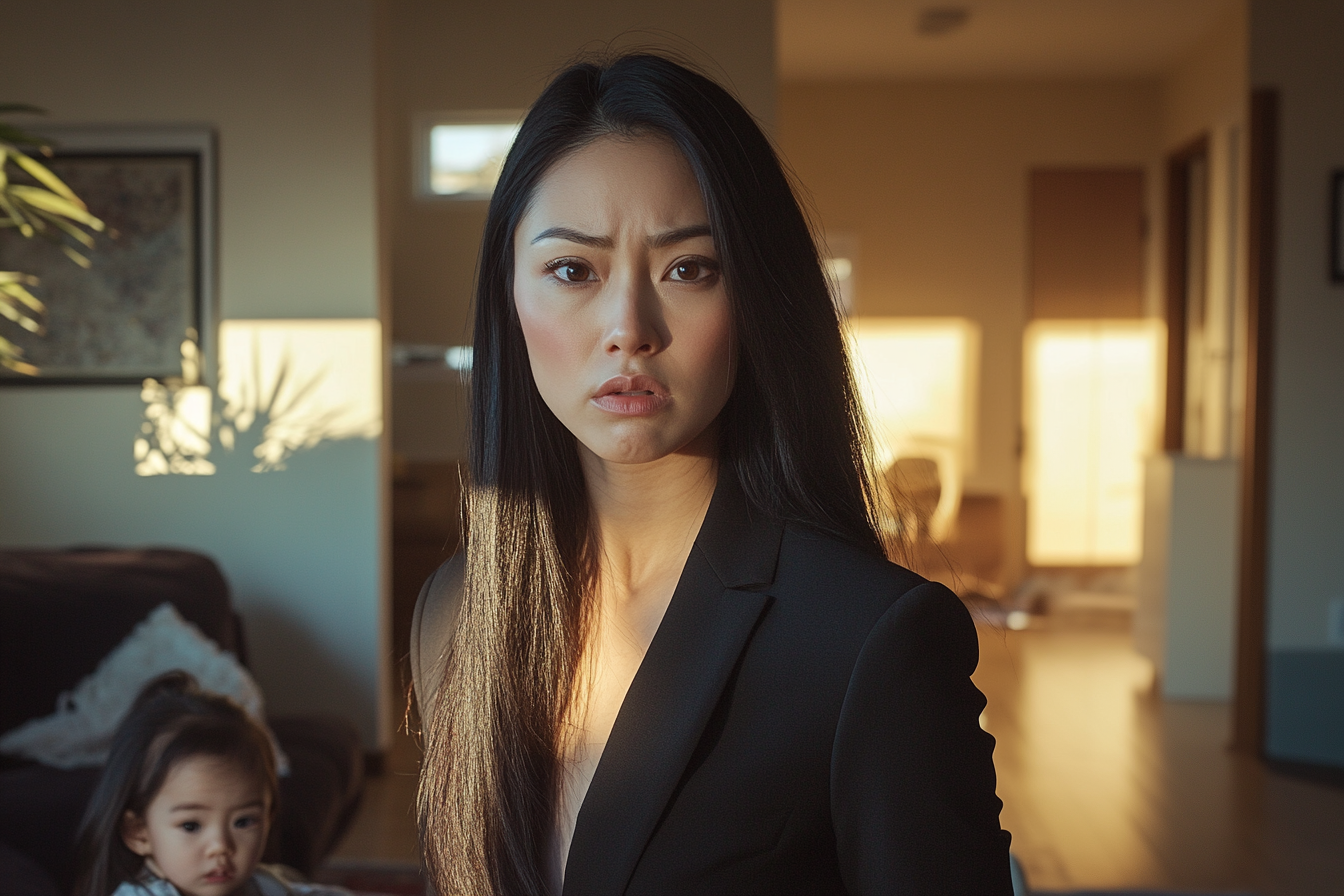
(1021, 39)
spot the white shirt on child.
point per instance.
(265, 881)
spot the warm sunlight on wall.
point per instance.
(284, 386)
(918, 378)
(301, 381)
(1092, 392)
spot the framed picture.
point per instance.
(1337, 226)
(150, 281)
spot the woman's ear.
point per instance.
(135, 834)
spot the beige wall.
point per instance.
(1206, 95)
(1295, 49)
(931, 180)
(437, 56)
(288, 89)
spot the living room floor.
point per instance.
(1104, 784)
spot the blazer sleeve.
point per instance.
(432, 628)
(912, 772)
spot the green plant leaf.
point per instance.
(10, 355)
(13, 312)
(18, 136)
(45, 199)
(10, 209)
(44, 176)
(15, 292)
(70, 229)
(77, 257)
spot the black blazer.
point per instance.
(803, 722)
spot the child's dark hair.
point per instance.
(171, 720)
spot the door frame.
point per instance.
(1177, 282)
(1248, 701)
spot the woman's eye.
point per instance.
(571, 271)
(691, 270)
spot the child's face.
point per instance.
(205, 829)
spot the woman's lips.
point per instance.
(632, 396)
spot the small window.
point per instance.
(459, 155)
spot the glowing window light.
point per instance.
(917, 378)
(1092, 393)
(301, 381)
(465, 160)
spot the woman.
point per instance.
(672, 657)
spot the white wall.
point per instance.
(438, 56)
(1295, 46)
(289, 88)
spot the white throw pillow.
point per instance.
(79, 733)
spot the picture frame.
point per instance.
(151, 280)
(1337, 226)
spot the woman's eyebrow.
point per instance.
(657, 241)
(574, 236)
(679, 235)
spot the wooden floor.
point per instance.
(1104, 785)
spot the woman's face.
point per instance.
(622, 303)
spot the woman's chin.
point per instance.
(631, 450)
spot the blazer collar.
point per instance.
(740, 542)
(707, 626)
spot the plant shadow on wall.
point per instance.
(284, 387)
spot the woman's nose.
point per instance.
(635, 324)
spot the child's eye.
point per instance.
(246, 822)
(190, 827)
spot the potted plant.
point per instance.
(36, 203)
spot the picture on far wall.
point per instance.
(149, 283)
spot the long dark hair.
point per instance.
(792, 432)
(171, 720)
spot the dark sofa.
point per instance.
(61, 612)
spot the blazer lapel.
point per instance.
(705, 629)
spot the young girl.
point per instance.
(185, 802)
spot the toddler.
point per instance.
(185, 802)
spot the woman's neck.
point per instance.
(646, 516)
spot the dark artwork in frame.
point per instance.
(124, 318)
(1337, 226)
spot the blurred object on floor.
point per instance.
(914, 483)
(383, 830)
(970, 560)
(1105, 785)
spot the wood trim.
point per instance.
(1177, 249)
(1248, 702)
